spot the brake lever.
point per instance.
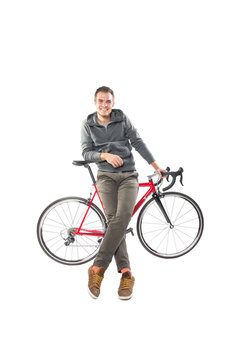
(181, 176)
(168, 169)
(181, 179)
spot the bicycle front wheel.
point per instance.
(165, 240)
(58, 224)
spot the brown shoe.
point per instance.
(94, 281)
(126, 286)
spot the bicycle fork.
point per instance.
(160, 205)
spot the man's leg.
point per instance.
(115, 234)
(121, 256)
(107, 188)
(130, 185)
(108, 191)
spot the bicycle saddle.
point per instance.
(82, 162)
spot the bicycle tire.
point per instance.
(167, 242)
(64, 220)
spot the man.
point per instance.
(107, 137)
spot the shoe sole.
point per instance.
(125, 297)
(91, 294)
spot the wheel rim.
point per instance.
(56, 231)
(169, 241)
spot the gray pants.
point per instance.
(118, 192)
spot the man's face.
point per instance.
(104, 103)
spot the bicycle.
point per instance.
(169, 225)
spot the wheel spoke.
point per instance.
(53, 238)
(167, 242)
(174, 240)
(83, 247)
(60, 218)
(159, 231)
(70, 214)
(156, 235)
(173, 208)
(66, 215)
(180, 238)
(163, 239)
(179, 212)
(184, 222)
(179, 217)
(192, 237)
(56, 226)
(73, 222)
(55, 243)
(89, 239)
(54, 221)
(59, 248)
(188, 227)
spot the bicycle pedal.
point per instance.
(130, 230)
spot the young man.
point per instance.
(107, 137)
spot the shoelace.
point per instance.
(97, 280)
(125, 283)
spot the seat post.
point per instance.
(91, 173)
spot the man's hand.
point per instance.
(112, 159)
(158, 169)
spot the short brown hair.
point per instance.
(104, 89)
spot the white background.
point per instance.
(174, 67)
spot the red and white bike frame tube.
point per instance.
(151, 189)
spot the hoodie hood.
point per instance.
(117, 115)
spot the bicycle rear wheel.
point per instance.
(56, 227)
(163, 240)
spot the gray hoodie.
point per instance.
(117, 137)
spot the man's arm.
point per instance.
(88, 151)
(140, 146)
(137, 142)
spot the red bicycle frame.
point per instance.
(82, 231)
